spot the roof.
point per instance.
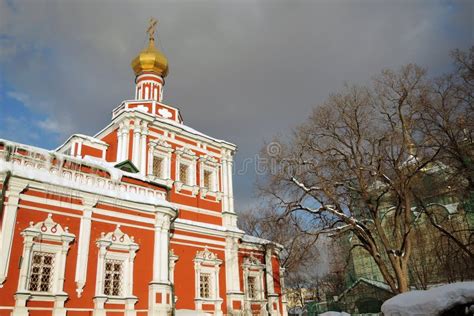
(88, 138)
(378, 284)
(260, 241)
(127, 166)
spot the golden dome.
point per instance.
(151, 59)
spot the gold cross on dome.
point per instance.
(151, 29)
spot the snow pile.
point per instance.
(335, 314)
(430, 302)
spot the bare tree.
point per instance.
(299, 248)
(351, 167)
(371, 161)
(447, 123)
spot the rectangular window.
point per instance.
(252, 287)
(207, 179)
(41, 271)
(113, 277)
(205, 285)
(158, 167)
(184, 173)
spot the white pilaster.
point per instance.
(119, 142)
(232, 273)
(125, 142)
(136, 144)
(230, 186)
(284, 311)
(15, 187)
(272, 297)
(143, 146)
(225, 185)
(159, 297)
(269, 270)
(83, 247)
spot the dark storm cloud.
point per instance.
(240, 71)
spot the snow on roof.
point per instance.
(109, 166)
(378, 284)
(430, 302)
(115, 173)
(89, 138)
(45, 176)
(206, 225)
(191, 130)
(260, 241)
(335, 314)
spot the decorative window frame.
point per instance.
(115, 245)
(208, 163)
(47, 236)
(206, 261)
(186, 156)
(162, 149)
(252, 267)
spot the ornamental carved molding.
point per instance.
(160, 143)
(209, 160)
(49, 229)
(207, 256)
(117, 240)
(251, 260)
(186, 152)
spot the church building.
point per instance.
(136, 220)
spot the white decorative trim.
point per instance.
(115, 245)
(33, 236)
(160, 148)
(252, 267)
(207, 262)
(165, 113)
(210, 164)
(186, 156)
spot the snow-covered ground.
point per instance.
(430, 302)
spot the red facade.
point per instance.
(136, 220)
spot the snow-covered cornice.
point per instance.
(65, 171)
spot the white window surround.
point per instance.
(209, 164)
(116, 246)
(46, 237)
(207, 262)
(160, 148)
(187, 157)
(252, 267)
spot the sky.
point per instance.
(243, 71)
